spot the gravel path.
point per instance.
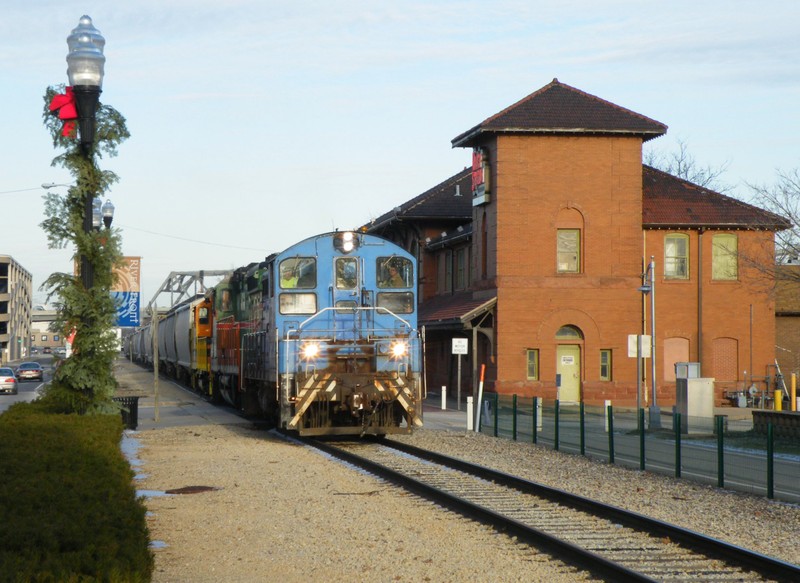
(281, 512)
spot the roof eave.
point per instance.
(719, 226)
(468, 138)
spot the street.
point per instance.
(27, 390)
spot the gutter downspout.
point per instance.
(700, 297)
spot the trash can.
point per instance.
(130, 411)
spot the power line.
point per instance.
(20, 190)
(190, 240)
(145, 230)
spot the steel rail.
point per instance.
(577, 556)
(731, 554)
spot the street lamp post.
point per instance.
(649, 288)
(85, 69)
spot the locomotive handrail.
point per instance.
(373, 309)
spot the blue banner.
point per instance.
(127, 308)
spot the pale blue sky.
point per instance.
(257, 123)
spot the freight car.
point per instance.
(320, 339)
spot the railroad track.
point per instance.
(609, 542)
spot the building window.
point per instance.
(484, 246)
(569, 333)
(56, 338)
(569, 251)
(605, 365)
(445, 267)
(724, 253)
(676, 257)
(462, 268)
(533, 364)
(44, 337)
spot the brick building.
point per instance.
(537, 255)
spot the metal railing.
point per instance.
(716, 451)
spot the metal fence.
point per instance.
(715, 451)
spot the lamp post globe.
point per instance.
(97, 216)
(108, 213)
(85, 70)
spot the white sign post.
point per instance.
(460, 347)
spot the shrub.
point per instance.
(68, 506)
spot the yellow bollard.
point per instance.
(793, 393)
(778, 394)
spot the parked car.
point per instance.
(60, 351)
(47, 350)
(30, 371)
(8, 382)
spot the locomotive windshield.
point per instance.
(298, 273)
(394, 272)
(346, 273)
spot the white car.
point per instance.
(8, 381)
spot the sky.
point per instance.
(255, 124)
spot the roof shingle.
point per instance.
(557, 108)
(450, 200)
(671, 202)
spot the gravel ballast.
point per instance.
(278, 511)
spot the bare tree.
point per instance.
(783, 199)
(683, 165)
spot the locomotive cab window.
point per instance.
(396, 302)
(394, 272)
(298, 273)
(302, 303)
(346, 273)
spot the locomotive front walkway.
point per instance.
(176, 406)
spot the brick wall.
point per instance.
(542, 183)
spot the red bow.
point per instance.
(64, 104)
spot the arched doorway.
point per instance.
(569, 341)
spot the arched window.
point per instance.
(674, 350)
(726, 359)
(569, 333)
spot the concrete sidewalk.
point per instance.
(167, 404)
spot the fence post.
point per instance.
(641, 439)
(444, 397)
(555, 417)
(610, 421)
(496, 412)
(676, 427)
(470, 413)
(514, 421)
(535, 416)
(770, 461)
(720, 453)
(583, 431)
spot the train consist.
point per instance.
(320, 339)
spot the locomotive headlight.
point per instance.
(345, 242)
(399, 349)
(310, 350)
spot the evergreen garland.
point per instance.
(83, 383)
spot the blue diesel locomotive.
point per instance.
(320, 339)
